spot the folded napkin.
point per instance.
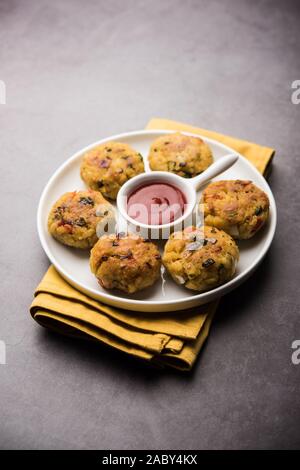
(166, 339)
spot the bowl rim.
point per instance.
(127, 302)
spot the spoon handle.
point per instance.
(214, 170)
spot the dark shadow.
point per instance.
(97, 356)
(241, 300)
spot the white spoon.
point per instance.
(189, 187)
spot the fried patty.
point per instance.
(74, 218)
(201, 258)
(107, 167)
(236, 206)
(125, 262)
(184, 155)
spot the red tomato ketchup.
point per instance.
(156, 203)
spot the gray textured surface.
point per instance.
(78, 71)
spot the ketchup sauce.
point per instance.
(156, 203)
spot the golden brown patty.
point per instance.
(108, 166)
(73, 220)
(201, 258)
(238, 207)
(125, 262)
(181, 154)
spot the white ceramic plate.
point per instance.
(73, 264)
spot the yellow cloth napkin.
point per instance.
(172, 339)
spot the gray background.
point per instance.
(79, 71)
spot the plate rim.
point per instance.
(125, 302)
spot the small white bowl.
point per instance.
(188, 187)
(127, 223)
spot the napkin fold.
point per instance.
(165, 339)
